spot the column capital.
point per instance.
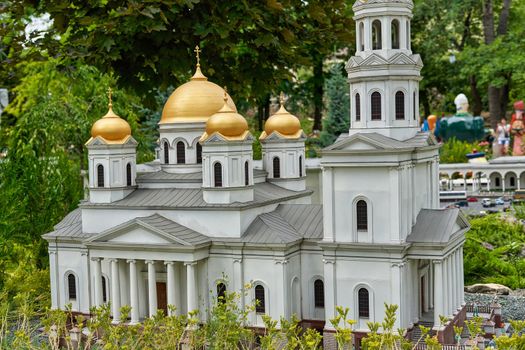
(237, 260)
(167, 262)
(52, 252)
(281, 261)
(398, 264)
(131, 261)
(113, 260)
(437, 261)
(329, 261)
(97, 259)
(190, 263)
(149, 261)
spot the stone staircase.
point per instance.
(416, 333)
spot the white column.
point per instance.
(97, 272)
(238, 280)
(403, 35)
(450, 279)
(133, 291)
(368, 34)
(462, 276)
(191, 285)
(329, 290)
(454, 282)
(395, 290)
(518, 182)
(152, 288)
(282, 304)
(173, 279)
(115, 290)
(328, 212)
(438, 293)
(444, 285)
(459, 277)
(53, 279)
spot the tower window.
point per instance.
(357, 107)
(104, 290)
(217, 174)
(166, 153)
(414, 105)
(100, 175)
(246, 173)
(375, 100)
(72, 286)
(395, 33)
(362, 215)
(376, 35)
(221, 292)
(128, 174)
(364, 303)
(260, 302)
(300, 166)
(199, 153)
(362, 36)
(319, 293)
(408, 35)
(400, 105)
(276, 167)
(181, 153)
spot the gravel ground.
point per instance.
(512, 306)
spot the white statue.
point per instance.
(461, 102)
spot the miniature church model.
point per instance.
(369, 232)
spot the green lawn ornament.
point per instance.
(462, 126)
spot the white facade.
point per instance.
(367, 231)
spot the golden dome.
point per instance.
(111, 127)
(194, 101)
(282, 122)
(226, 122)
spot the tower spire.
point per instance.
(110, 99)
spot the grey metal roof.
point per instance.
(436, 225)
(164, 176)
(421, 139)
(70, 226)
(189, 198)
(270, 228)
(173, 229)
(307, 219)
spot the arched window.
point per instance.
(408, 35)
(362, 36)
(357, 107)
(376, 35)
(497, 182)
(300, 166)
(104, 290)
(400, 105)
(414, 105)
(319, 293)
(166, 152)
(246, 173)
(100, 175)
(217, 174)
(181, 153)
(276, 167)
(128, 174)
(394, 28)
(363, 303)
(362, 215)
(221, 292)
(375, 101)
(199, 153)
(260, 302)
(72, 286)
(512, 181)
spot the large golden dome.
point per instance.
(111, 127)
(194, 101)
(282, 122)
(226, 122)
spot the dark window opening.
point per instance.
(166, 153)
(319, 293)
(100, 175)
(395, 34)
(221, 292)
(364, 303)
(260, 306)
(414, 106)
(276, 168)
(512, 181)
(497, 182)
(400, 105)
(246, 173)
(217, 174)
(199, 153)
(181, 153)
(72, 286)
(128, 174)
(300, 166)
(362, 36)
(362, 215)
(376, 35)
(104, 290)
(375, 100)
(357, 107)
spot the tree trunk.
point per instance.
(263, 111)
(318, 81)
(488, 21)
(494, 106)
(423, 98)
(504, 97)
(477, 104)
(260, 116)
(504, 18)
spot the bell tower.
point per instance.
(384, 74)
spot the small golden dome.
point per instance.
(283, 122)
(111, 127)
(226, 122)
(194, 101)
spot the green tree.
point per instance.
(338, 103)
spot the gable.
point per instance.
(139, 235)
(358, 142)
(359, 145)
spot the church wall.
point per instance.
(311, 269)
(73, 259)
(314, 183)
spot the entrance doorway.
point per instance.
(162, 297)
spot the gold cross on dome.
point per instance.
(110, 94)
(197, 52)
(225, 94)
(281, 98)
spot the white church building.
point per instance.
(363, 231)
